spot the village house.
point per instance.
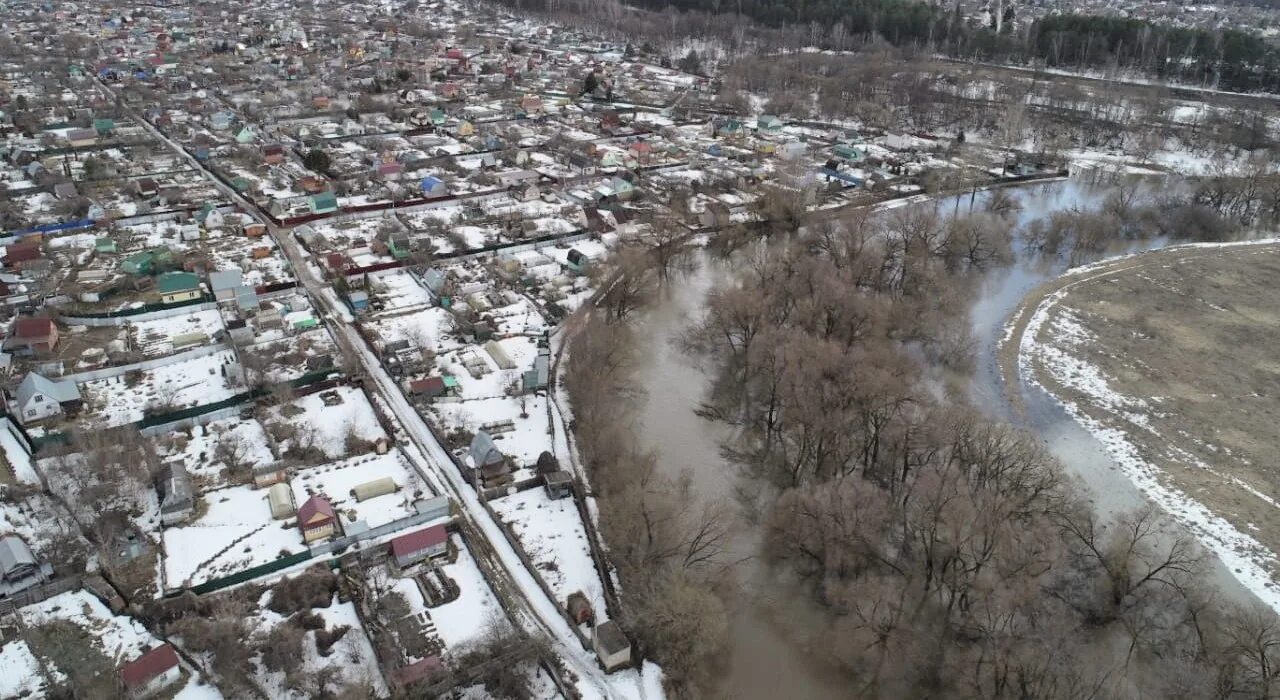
(151, 672)
(491, 466)
(38, 398)
(316, 519)
(19, 569)
(177, 496)
(176, 287)
(416, 546)
(32, 335)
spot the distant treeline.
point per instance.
(1227, 59)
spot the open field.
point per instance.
(1167, 358)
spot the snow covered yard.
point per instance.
(528, 438)
(195, 382)
(235, 532)
(432, 326)
(353, 416)
(466, 618)
(351, 658)
(197, 448)
(552, 534)
(337, 480)
(115, 639)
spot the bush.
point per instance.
(313, 588)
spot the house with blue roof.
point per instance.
(433, 187)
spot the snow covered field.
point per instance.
(235, 533)
(552, 534)
(194, 382)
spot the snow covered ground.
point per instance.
(193, 382)
(466, 618)
(332, 424)
(335, 482)
(235, 533)
(352, 657)
(551, 533)
(121, 639)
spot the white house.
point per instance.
(38, 398)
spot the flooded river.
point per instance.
(769, 659)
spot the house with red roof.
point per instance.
(32, 335)
(317, 519)
(413, 547)
(150, 672)
(417, 672)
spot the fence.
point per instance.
(135, 313)
(37, 594)
(116, 371)
(247, 575)
(434, 509)
(99, 321)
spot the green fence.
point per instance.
(143, 309)
(249, 574)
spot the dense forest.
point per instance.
(1225, 59)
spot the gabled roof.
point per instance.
(34, 384)
(315, 506)
(14, 553)
(483, 451)
(33, 328)
(419, 540)
(177, 282)
(146, 667)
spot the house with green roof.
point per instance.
(104, 126)
(176, 287)
(245, 135)
(769, 124)
(147, 262)
(105, 244)
(324, 203)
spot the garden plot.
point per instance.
(528, 415)
(433, 326)
(198, 449)
(235, 532)
(400, 289)
(331, 424)
(156, 337)
(196, 382)
(521, 350)
(336, 482)
(114, 639)
(552, 534)
(22, 677)
(520, 317)
(466, 618)
(351, 658)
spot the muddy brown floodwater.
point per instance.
(766, 659)
(770, 655)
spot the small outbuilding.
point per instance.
(558, 484)
(280, 499)
(375, 488)
(177, 496)
(611, 645)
